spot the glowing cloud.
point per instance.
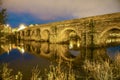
(52, 9)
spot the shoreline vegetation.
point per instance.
(92, 70)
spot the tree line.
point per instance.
(3, 17)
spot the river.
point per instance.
(24, 55)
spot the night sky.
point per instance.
(45, 11)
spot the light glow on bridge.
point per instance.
(115, 34)
(71, 45)
(21, 27)
(7, 25)
(78, 43)
(113, 40)
(21, 49)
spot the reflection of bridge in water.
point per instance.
(46, 50)
(99, 30)
(55, 51)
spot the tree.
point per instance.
(3, 14)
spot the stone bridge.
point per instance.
(96, 30)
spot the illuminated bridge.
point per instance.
(96, 30)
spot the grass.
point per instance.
(57, 73)
(105, 70)
(6, 74)
(54, 73)
(93, 70)
(36, 74)
(98, 71)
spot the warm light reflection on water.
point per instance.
(43, 53)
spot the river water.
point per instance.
(24, 55)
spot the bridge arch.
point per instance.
(28, 32)
(45, 35)
(22, 33)
(37, 32)
(110, 32)
(68, 34)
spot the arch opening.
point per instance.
(37, 36)
(38, 32)
(111, 37)
(28, 33)
(45, 35)
(71, 37)
(22, 33)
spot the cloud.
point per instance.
(52, 9)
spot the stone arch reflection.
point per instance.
(55, 51)
(45, 48)
(97, 55)
(63, 52)
(48, 50)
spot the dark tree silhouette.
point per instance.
(3, 14)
